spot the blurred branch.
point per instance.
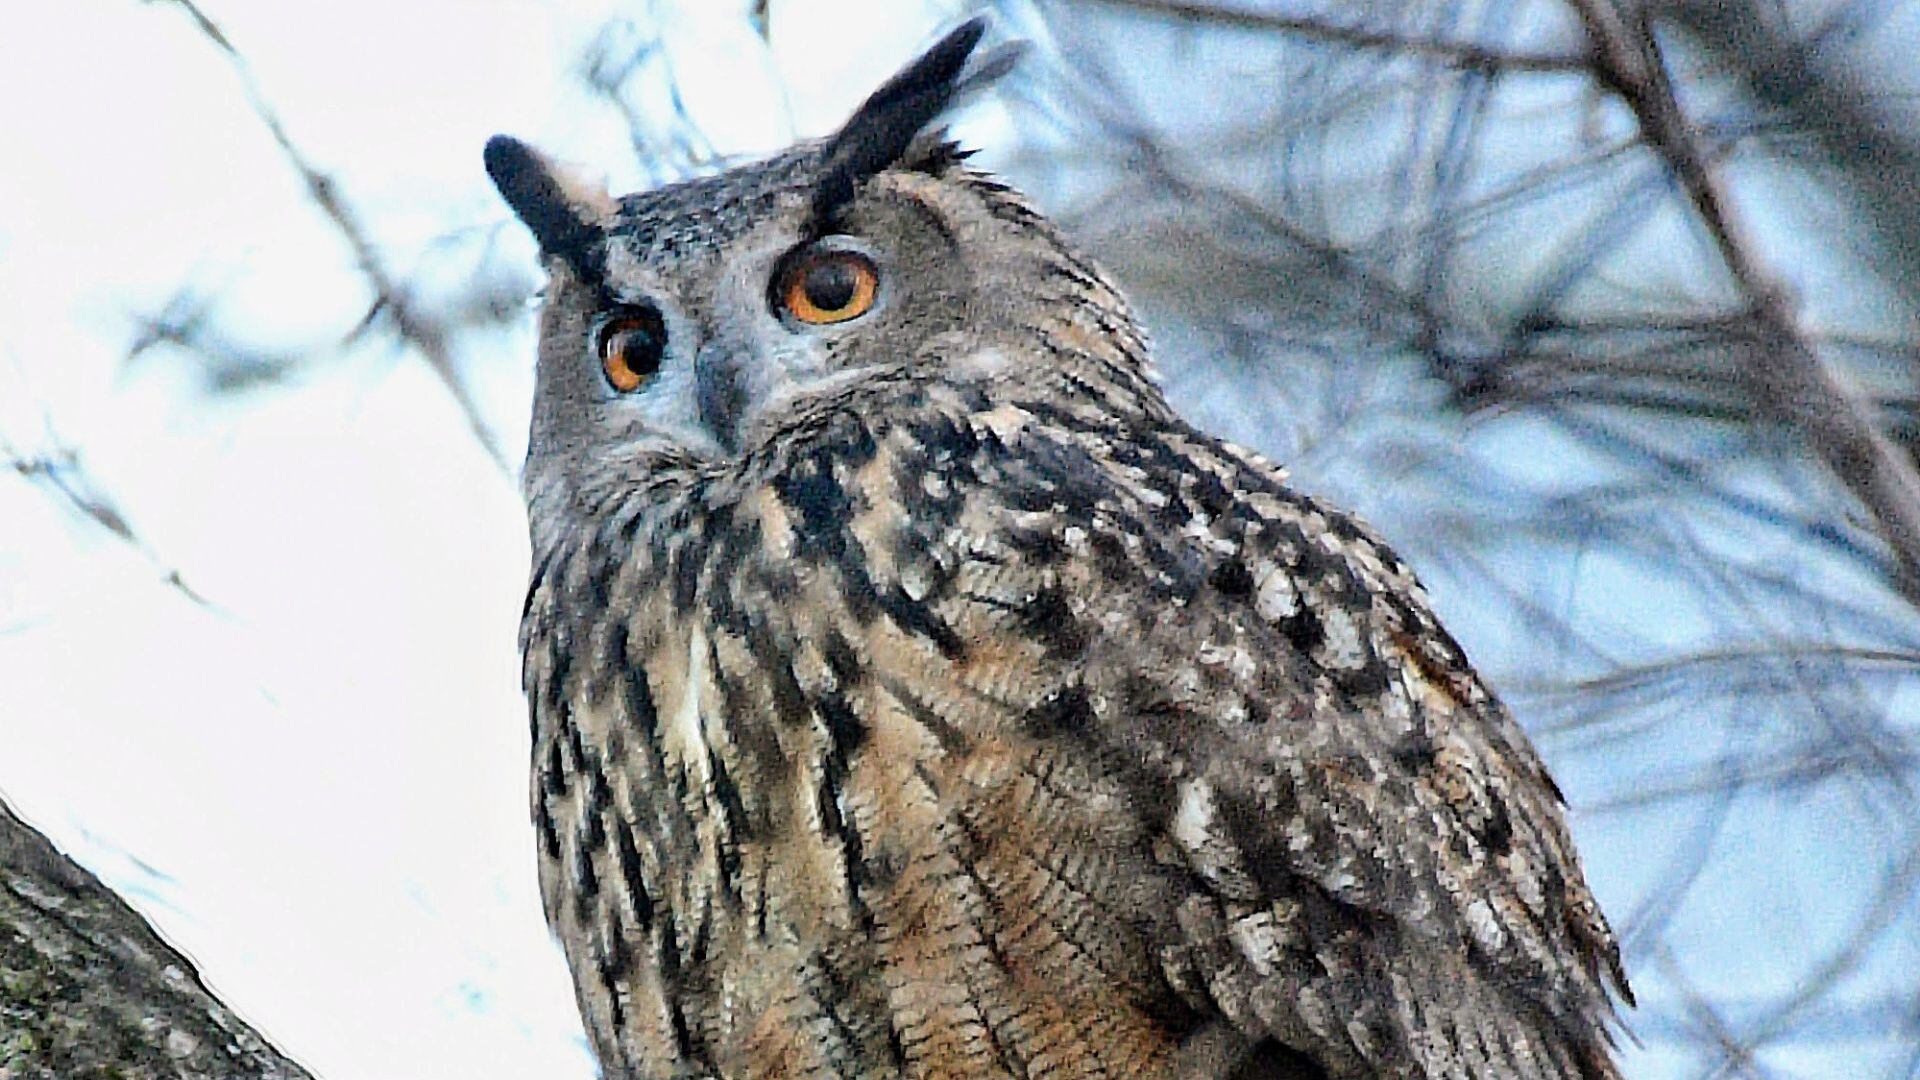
(1787, 375)
(1576, 393)
(187, 322)
(1458, 54)
(1891, 902)
(410, 321)
(88, 989)
(667, 143)
(1823, 97)
(1660, 675)
(1709, 1023)
(60, 473)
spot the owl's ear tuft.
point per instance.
(564, 211)
(888, 123)
(933, 152)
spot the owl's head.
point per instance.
(686, 319)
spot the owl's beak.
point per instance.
(720, 390)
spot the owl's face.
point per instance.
(707, 305)
(688, 318)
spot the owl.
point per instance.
(915, 693)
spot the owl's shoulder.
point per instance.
(1173, 578)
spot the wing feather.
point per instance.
(1375, 864)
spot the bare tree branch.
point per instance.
(414, 325)
(1787, 374)
(1458, 54)
(1810, 82)
(1544, 351)
(59, 472)
(88, 989)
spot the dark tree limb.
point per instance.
(88, 989)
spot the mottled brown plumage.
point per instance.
(919, 695)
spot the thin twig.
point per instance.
(1789, 378)
(1824, 99)
(1457, 53)
(414, 326)
(60, 473)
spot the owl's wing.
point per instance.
(1352, 848)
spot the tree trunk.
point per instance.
(89, 990)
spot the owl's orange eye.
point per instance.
(824, 287)
(630, 346)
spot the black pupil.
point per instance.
(831, 283)
(637, 342)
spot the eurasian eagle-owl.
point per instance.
(914, 693)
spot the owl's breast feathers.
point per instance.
(970, 731)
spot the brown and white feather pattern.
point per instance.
(986, 719)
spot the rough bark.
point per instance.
(89, 991)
